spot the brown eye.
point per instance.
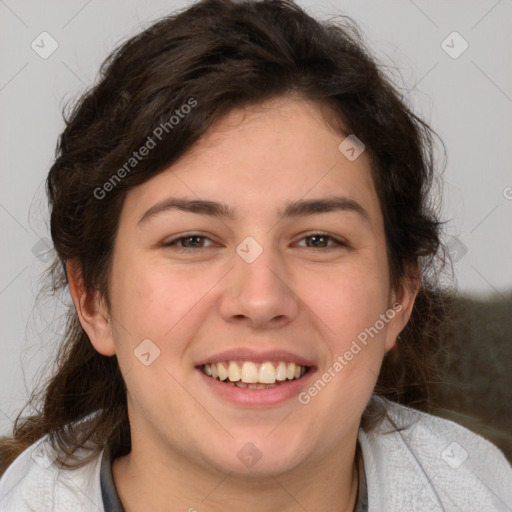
(191, 241)
(321, 241)
(188, 242)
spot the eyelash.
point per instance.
(171, 243)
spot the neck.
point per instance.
(149, 479)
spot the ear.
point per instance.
(92, 312)
(402, 302)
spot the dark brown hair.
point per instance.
(222, 55)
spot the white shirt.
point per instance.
(430, 465)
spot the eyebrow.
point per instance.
(300, 208)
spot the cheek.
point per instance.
(140, 299)
(154, 301)
(151, 314)
(347, 300)
(349, 304)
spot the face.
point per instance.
(292, 268)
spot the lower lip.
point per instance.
(258, 397)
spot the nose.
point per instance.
(259, 294)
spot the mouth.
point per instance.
(253, 375)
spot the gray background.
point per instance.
(467, 100)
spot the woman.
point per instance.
(240, 212)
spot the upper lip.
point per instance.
(247, 354)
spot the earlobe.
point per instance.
(402, 302)
(91, 310)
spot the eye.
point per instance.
(321, 241)
(192, 241)
(188, 242)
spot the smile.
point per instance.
(251, 375)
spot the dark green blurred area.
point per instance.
(475, 388)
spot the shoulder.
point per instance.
(34, 482)
(416, 461)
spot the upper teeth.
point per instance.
(249, 372)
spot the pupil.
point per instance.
(188, 239)
(316, 237)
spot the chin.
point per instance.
(258, 455)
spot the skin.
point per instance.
(312, 301)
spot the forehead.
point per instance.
(261, 158)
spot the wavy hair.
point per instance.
(226, 55)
